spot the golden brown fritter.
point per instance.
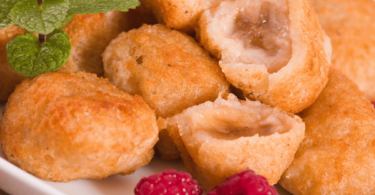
(351, 27)
(67, 126)
(221, 138)
(179, 14)
(275, 51)
(89, 35)
(167, 68)
(337, 155)
(8, 77)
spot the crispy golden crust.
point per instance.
(296, 85)
(8, 77)
(89, 36)
(63, 127)
(179, 14)
(221, 138)
(167, 68)
(350, 25)
(337, 155)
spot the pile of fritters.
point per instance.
(227, 85)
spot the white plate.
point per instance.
(18, 182)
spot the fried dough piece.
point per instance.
(8, 77)
(179, 14)
(89, 35)
(350, 25)
(221, 138)
(273, 50)
(68, 126)
(337, 155)
(167, 68)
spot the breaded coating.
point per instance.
(8, 77)
(68, 126)
(221, 138)
(89, 35)
(179, 14)
(275, 51)
(167, 68)
(351, 27)
(337, 155)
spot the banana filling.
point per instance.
(231, 119)
(253, 32)
(231, 123)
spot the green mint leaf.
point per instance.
(27, 58)
(44, 19)
(5, 8)
(101, 6)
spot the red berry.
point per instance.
(244, 183)
(373, 103)
(170, 182)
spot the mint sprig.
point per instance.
(54, 14)
(26, 57)
(24, 54)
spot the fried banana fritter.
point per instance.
(68, 126)
(337, 155)
(275, 51)
(89, 35)
(8, 77)
(179, 14)
(167, 68)
(218, 139)
(351, 27)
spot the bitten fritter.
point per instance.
(89, 35)
(68, 126)
(218, 139)
(179, 14)
(275, 51)
(8, 77)
(167, 68)
(351, 27)
(337, 155)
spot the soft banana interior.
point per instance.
(252, 32)
(230, 123)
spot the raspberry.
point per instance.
(373, 103)
(244, 183)
(168, 183)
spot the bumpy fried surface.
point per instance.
(63, 127)
(179, 14)
(350, 25)
(167, 68)
(221, 138)
(8, 77)
(89, 36)
(274, 51)
(337, 155)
